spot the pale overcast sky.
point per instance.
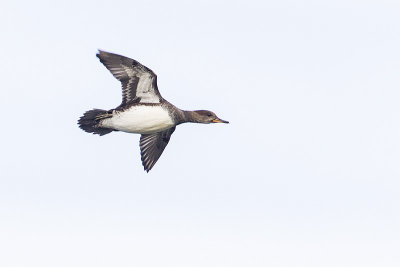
(306, 174)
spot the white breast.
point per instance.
(140, 119)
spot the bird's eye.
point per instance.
(209, 115)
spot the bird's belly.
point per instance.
(140, 119)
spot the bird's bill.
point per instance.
(219, 121)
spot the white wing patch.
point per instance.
(144, 89)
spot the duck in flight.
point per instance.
(143, 110)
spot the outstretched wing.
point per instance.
(152, 146)
(139, 83)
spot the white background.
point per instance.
(307, 173)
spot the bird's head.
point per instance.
(206, 116)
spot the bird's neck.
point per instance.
(189, 116)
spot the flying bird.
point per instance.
(143, 110)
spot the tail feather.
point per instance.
(90, 121)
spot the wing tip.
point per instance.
(101, 53)
(146, 167)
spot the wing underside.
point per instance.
(152, 146)
(139, 83)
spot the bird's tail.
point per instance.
(91, 120)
